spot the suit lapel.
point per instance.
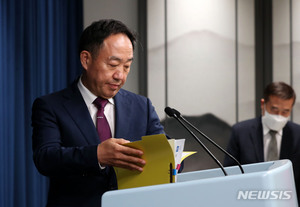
(78, 111)
(286, 143)
(123, 113)
(256, 135)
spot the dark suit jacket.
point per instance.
(246, 145)
(65, 143)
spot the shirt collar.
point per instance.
(87, 95)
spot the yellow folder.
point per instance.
(160, 164)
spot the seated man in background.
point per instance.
(270, 136)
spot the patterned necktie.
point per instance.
(101, 121)
(272, 153)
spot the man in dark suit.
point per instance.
(270, 136)
(66, 144)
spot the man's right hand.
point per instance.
(112, 152)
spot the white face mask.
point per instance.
(274, 122)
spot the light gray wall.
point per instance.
(156, 55)
(286, 46)
(123, 10)
(209, 62)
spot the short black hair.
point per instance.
(93, 36)
(281, 90)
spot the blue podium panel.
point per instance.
(266, 184)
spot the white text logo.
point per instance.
(264, 195)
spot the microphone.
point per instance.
(171, 113)
(177, 113)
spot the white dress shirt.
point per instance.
(109, 109)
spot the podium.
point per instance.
(266, 184)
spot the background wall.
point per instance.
(209, 50)
(201, 62)
(286, 46)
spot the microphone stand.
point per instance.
(198, 140)
(210, 140)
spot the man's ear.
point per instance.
(85, 58)
(262, 106)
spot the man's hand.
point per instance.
(111, 152)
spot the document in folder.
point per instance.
(163, 158)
